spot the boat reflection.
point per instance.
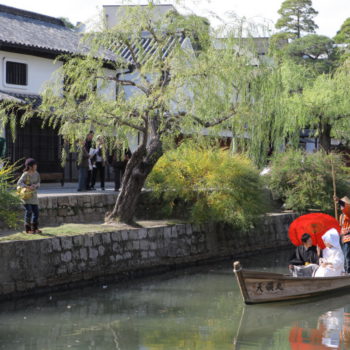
(333, 331)
(319, 325)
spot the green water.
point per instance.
(197, 308)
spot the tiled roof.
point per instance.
(19, 98)
(34, 31)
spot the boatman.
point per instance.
(344, 222)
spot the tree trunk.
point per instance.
(325, 137)
(138, 168)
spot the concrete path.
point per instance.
(55, 189)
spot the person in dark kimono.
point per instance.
(306, 253)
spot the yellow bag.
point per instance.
(24, 193)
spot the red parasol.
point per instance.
(315, 224)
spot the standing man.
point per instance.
(83, 163)
(118, 160)
(88, 145)
(344, 221)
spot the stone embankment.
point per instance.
(27, 267)
(90, 207)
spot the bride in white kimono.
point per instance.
(332, 261)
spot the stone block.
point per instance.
(61, 270)
(73, 201)
(133, 235)
(46, 246)
(174, 232)
(93, 253)
(66, 257)
(70, 268)
(125, 235)
(119, 257)
(101, 250)
(63, 202)
(144, 244)
(112, 259)
(78, 241)
(151, 254)
(189, 230)
(152, 233)
(87, 241)
(96, 239)
(116, 236)
(66, 243)
(76, 255)
(144, 255)
(83, 253)
(136, 245)
(43, 203)
(167, 232)
(142, 233)
(106, 238)
(127, 255)
(116, 247)
(56, 245)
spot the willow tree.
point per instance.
(164, 89)
(299, 98)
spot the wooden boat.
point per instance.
(262, 287)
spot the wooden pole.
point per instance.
(334, 189)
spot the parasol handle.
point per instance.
(334, 190)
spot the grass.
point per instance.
(76, 229)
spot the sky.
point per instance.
(331, 13)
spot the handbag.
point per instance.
(24, 193)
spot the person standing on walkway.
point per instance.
(83, 163)
(30, 180)
(344, 221)
(87, 146)
(118, 160)
(98, 162)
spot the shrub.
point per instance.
(304, 180)
(10, 203)
(217, 185)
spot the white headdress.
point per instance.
(332, 237)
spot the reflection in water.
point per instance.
(332, 332)
(192, 309)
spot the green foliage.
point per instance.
(343, 34)
(304, 180)
(219, 186)
(316, 51)
(9, 201)
(297, 17)
(67, 22)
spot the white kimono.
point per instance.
(332, 255)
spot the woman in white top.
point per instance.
(97, 163)
(332, 261)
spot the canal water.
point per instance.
(196, 308)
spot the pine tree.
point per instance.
(297, 17)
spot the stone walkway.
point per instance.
(70, 188)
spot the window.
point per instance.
(16, 73)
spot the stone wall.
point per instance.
(92, 207)
(41, 265)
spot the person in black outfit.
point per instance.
(118, 160)
(87, 146)
(306, 253)
(98, 163)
